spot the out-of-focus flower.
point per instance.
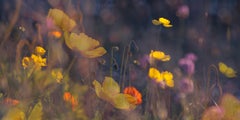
(56, 34)
(26, 61)
(164, 78)
(229, 109)
(159, 55)
(227, 71)
(183, 11)
(10, 101)
(132, 91)
(39, 50)
(187, 63)
(165, 22)
(57, 74)
(191, 56)
(68, 97)
(87, 46)
(110, 92)
(186, 86)
(61, 20)
(168, 78)
(155, 74)
(36, 60)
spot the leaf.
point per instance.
(14, 114)
(36, 113)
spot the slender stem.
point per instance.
(111, 62)
(70, 65)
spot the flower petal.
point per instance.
(156, 22)
(164, 20)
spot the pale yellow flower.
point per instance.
(61, 20)
(57, 74)
(87, 46)
(227, 71)
(110, 91)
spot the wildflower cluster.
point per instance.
(164, 78)
(36, 60)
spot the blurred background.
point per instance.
(208, 28)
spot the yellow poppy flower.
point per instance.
(227, 71)
(165, 78)
(61, 20)
(165, 22)
(168, 78)
(38, 60)
(40, 50)
(26, 62)
(154, 74)
(159, 55)
(87, 46)
(110, 92)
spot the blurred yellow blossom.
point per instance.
(26, 62)
(38, 60)
(228, 109)
(227, 71)
(165, 22)
(110, 92)
(35, 60)
(159, 55)
(61, 20)
(87, 46)
(40, 50)
(57, 74)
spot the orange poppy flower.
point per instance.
(132, 91)
(70, 99)
(10, 101)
